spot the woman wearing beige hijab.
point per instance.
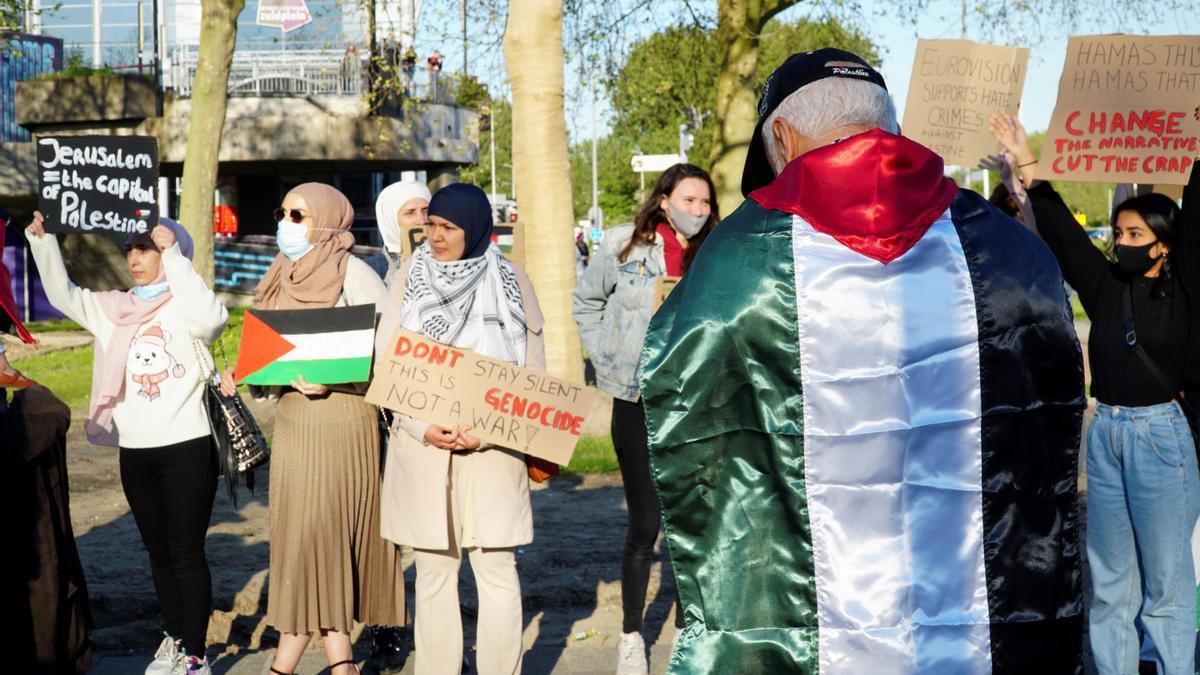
(329, 566)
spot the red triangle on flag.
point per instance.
(261, 345)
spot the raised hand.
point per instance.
(38, 227)
(163, 237)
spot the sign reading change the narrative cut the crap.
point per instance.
(957, 85)
(98, 183)
(503, 404)
(1126, 111)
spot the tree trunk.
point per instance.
(218, 30)
(739, 30)
(533, 54)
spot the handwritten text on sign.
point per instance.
(957, 85)
(98, 183)
(1126, 111)
(503, 404)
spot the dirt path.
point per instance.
(569, 575)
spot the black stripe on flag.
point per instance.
(1031, 376)
(327, 320)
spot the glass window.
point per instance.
(67, 15)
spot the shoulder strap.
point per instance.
(1134, 347)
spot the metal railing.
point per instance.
(297, 72)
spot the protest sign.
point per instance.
(956, 86)
(326, 346)
(507, 405)
(1126, 111)
(103, 184)
(663, 286)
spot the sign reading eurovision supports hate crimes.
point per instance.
(1126, 111)
(325, 346)
(956, 86)
(512, 407)
(98, 184)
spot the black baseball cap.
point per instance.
(800, 69)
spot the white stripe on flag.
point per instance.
(345, 344)
(890, 371)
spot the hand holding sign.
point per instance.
(37, 228)
(163, 237)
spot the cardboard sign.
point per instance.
(663, 286)
(326, 346)
(956, 86)
(103, 184)
(412, 237)
(1125, 111)
(513, 407)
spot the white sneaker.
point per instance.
(165, 657)
(191, 665)
(631, 655)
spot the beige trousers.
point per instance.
(437, 626)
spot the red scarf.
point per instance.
(876, 193)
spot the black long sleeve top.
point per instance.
(1164, 309)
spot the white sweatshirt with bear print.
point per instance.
(162, 400)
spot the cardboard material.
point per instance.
(663, 286)
(956, 86)
(101, 184)
(512, 407)
(1126, 111)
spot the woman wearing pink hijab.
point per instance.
(147, 400)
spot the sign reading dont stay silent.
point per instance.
(513, 407)
(102, 184)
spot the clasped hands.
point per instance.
(454, 440)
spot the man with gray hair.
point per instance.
(864, 404)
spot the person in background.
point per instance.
(443, 489)
(1143, 495)
(10, 378)
(147, 399)
(328, 567)
(613, 303)
(399, 207)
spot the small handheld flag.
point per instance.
(326, 346)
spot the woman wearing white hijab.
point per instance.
(400, 206)
(443, 490)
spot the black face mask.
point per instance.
(1135, 260)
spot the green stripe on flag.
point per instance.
(324, 371)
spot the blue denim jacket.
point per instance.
(613, 303)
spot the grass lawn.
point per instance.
(1077, 308)
(593, 454)
(53, 325)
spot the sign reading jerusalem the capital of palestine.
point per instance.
(513, 407)
(98, 183)
(957, 85)
(1126, 111)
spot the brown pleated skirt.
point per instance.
(329, 564)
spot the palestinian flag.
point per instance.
(864, 403)
(326, 346)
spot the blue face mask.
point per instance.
(151, 291)
(292, 239)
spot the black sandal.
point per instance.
(342, 663)
(280, 672)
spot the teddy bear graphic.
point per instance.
(149, 361)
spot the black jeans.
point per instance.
(629, 439)
(170, 490)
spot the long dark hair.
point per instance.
(651, 215)
(1161, 215)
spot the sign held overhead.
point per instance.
(956, 86)
(98, 183)
(1126, 111)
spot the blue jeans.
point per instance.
(1143, 497)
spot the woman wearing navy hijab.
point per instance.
(443, 490)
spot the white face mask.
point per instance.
(684, 222)
(292, 239)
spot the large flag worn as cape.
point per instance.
(864, 403)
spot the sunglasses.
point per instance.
(295, 215)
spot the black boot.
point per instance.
(387, 654)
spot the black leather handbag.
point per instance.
(241, 446)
